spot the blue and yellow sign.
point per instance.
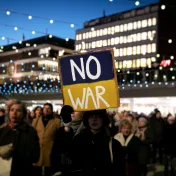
(89, 81)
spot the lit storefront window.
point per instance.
(87, 35)
(149, 62)
(138, 36)
(80, 37)
(124, 51)
(149, 48)
(144, 36)
(101, 32)
(93, 44)
(143, 62)
(77, 37)
(121, 51)
(77, 47)
(84, 35)
(138, 49)
(98, 33)
(90, 34)
(109, 42)
(93, 33)
(121, 39)
(134, 50)
(116, 64)
(90, 45)
(109, 30)
(87, 45)
(143, 49)
(129, 39)
(134, 63)
(124, 39)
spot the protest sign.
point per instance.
(89, 81)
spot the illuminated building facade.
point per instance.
(31, 68)
(142, 39)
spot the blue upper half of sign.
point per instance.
(87, 68)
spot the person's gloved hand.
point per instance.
(6, 151)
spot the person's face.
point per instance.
(158, 115)
(8, 104)
(16, 113)
(32, 114)
(1, 114)
(129, 118)
(76, 115)
(126, 130)
(47, 110)
(142, 126)
(95, 122)
(38, 111)
(171, 121)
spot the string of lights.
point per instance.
(30, 17)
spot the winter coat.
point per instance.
(169, 139)
(46, 138)
(144, 151)
(60, 155)
(131, 147)
(26, 148)
(157, 127)
(92, 156)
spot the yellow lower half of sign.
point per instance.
(98, 95)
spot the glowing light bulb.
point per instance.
(172, 57)
(137, 3)
(33, 32)
(15, 28)
(8, 12)
(3, 38)
(29, 17)
(20, 42)
(170, 41)
(67, 39)
(72, 25)
(50, 36)
(51, 21)
(163, 7)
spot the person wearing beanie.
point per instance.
(46, 126)
(94, 152)
(60, 155)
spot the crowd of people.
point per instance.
(99, 142)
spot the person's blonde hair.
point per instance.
(126, 122)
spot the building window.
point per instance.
(112, 41)
(125, 39)
(77, 37)
(144, 23)
(124, 64)
(117, 29)
(134, 63)
(116, 52)
(87, 35)
(90, 45)
(109, 30)
(93, 33)
(90, 34)
(129, 39)
(121, 28)
(125, 27)
(116, 40)
(143, 62)
(149, 35)
(154, 21)
(113, 29)
(109, 42)
(138, 49)
(138, 36)
(120, 65)
(121, 51)
(93, 44)
(101, 32)
(124, 51)
(149, 62)
(149, 48)
(134, 50)
(104, 42)
(80, 36)
(153, 47)
(138, 63)
(139, 24)
(143, 49)
(130, 26)
(77, 47)
(144, 36)
(129, 64)
(134, 38)
(135, 25)
(149, 22)
(84, 35)
(121, 39)
(116, 64)
(98, 33)
(105, 31)
(83, 45)
(87, 45)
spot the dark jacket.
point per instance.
(60, 154)
(169, 139)
(157, 127)
(26, 148)
(91, 155)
